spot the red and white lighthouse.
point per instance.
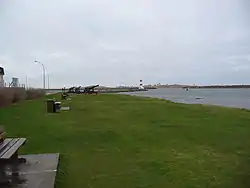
(141, 85)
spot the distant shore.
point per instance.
(222, 86)
(104, 90)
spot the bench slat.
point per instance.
(8, 154)
(4, 144)
(11, 143)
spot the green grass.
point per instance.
(117, 141)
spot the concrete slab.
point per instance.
(38, 172)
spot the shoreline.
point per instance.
(108, 90)
(219, 99)
(203, 104)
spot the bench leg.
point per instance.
(16, 159)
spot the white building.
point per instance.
(1, 77)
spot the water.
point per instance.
(53, 91)
(239, 98)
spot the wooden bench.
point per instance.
(9, 155)
(9, 148)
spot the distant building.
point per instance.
(1, 77)
(15, 82)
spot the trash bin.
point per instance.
(51, 106)
(58, 106)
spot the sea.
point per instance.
(239, 98)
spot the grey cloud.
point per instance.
(114, 41)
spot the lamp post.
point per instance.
(43, 72)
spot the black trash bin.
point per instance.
(51, 108)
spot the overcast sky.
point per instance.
(114, 42)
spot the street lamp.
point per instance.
(43, 72)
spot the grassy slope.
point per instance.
(111, 141)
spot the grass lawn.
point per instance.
(118, 141)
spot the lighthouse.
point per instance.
(1, 77)
(141, 85)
